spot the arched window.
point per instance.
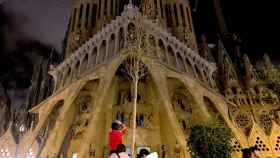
(162, 53)
(181, 64)
(68, 76)
(112, 46)
(171, 56)
(84, 64)
(94, 57)
(189, 65)
(121, 38)
(102, 52)
(198, 72)
(77, 70)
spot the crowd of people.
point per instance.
(118, 149)
(116, 146)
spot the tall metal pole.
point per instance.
(135, 86)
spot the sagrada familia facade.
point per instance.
(71, 106)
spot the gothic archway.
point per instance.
(48, 126)
(212, 110)
(83, 106)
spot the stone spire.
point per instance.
(220, 17)
(269, 71)
(227, 72)
(250, 74)
(205, 51)
(267, 62)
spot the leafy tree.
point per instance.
(210, 140)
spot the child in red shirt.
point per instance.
(116, 135)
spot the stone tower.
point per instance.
(89, 17)
(91, 87)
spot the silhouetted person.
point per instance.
(250, 152)
(120, 152)
(143, 153)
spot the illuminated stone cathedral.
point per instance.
(188, 81)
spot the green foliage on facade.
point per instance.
(210, 140)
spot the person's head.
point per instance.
(115, 126)
(249, 152)
(143, 153)
(246, 153)
(254, 150)
(121, 148)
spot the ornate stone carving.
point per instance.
(130, 15)
(264, 118)
(83, 102)
(149, 9)
(182, 105)
(242, 118)
(244, 121)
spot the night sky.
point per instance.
(43, 20)
(43, 23)
(254, 21)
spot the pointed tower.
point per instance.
(269, 71)
(88, 17)
(267, 62)
(205, 51)
(251, 76)
(228, 77)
